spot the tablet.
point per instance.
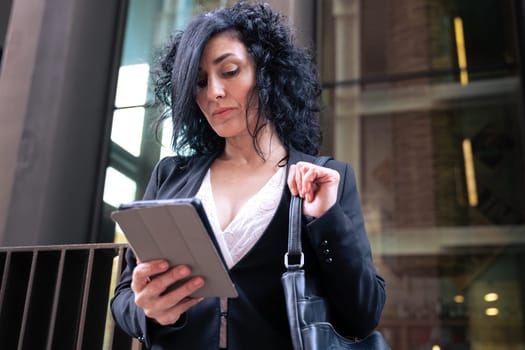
(177, 230)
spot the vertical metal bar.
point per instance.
(117, 272)
(27, 302)
(56, 300)
(3, 287)
(121, 252)
(85, 299)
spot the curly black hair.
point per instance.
(287, 82)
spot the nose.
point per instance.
(215, 89)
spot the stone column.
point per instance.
(347, 53)
(302, 18)
(56, 91)
(413, 175)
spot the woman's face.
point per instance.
(225, 83)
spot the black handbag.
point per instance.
(307, 310)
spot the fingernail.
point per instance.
(163, 265)
(184, 271)
(198, 282)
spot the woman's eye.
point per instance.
(231, 73)
(202, 83)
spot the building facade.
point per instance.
(423, 97)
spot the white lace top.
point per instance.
(243, 232)
(250, 222)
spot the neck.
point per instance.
(242, 150)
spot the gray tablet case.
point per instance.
(177, 230)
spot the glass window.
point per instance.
(127, 129)
(118, 188)
(424, 99)
(5, 12)
(135, 148)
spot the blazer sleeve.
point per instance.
(127, 315)
(343, 251)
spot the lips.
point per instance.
(221, 112)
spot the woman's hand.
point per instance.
(317, 185)
(149, 292)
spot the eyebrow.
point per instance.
(222, 58)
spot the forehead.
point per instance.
(221, 44)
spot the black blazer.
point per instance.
(336, 249)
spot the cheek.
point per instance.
(251, 98)
(250, 92)
(201, 102)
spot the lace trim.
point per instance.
(250, 222)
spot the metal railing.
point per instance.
(56, 297)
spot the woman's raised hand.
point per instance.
(317, 186)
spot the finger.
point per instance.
(151, 268)
(298, 180)
(142, 273)
(173, 314)
(186, 303)
(161, 282)
(190, 287)
(308, 178)
(301, 178)
(292, 185)
(180, 294)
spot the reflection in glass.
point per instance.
(118, 188)
(127, 129)
(132, 86)
(425, 101)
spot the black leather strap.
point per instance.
(294, 258)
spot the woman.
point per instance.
(244, 101)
